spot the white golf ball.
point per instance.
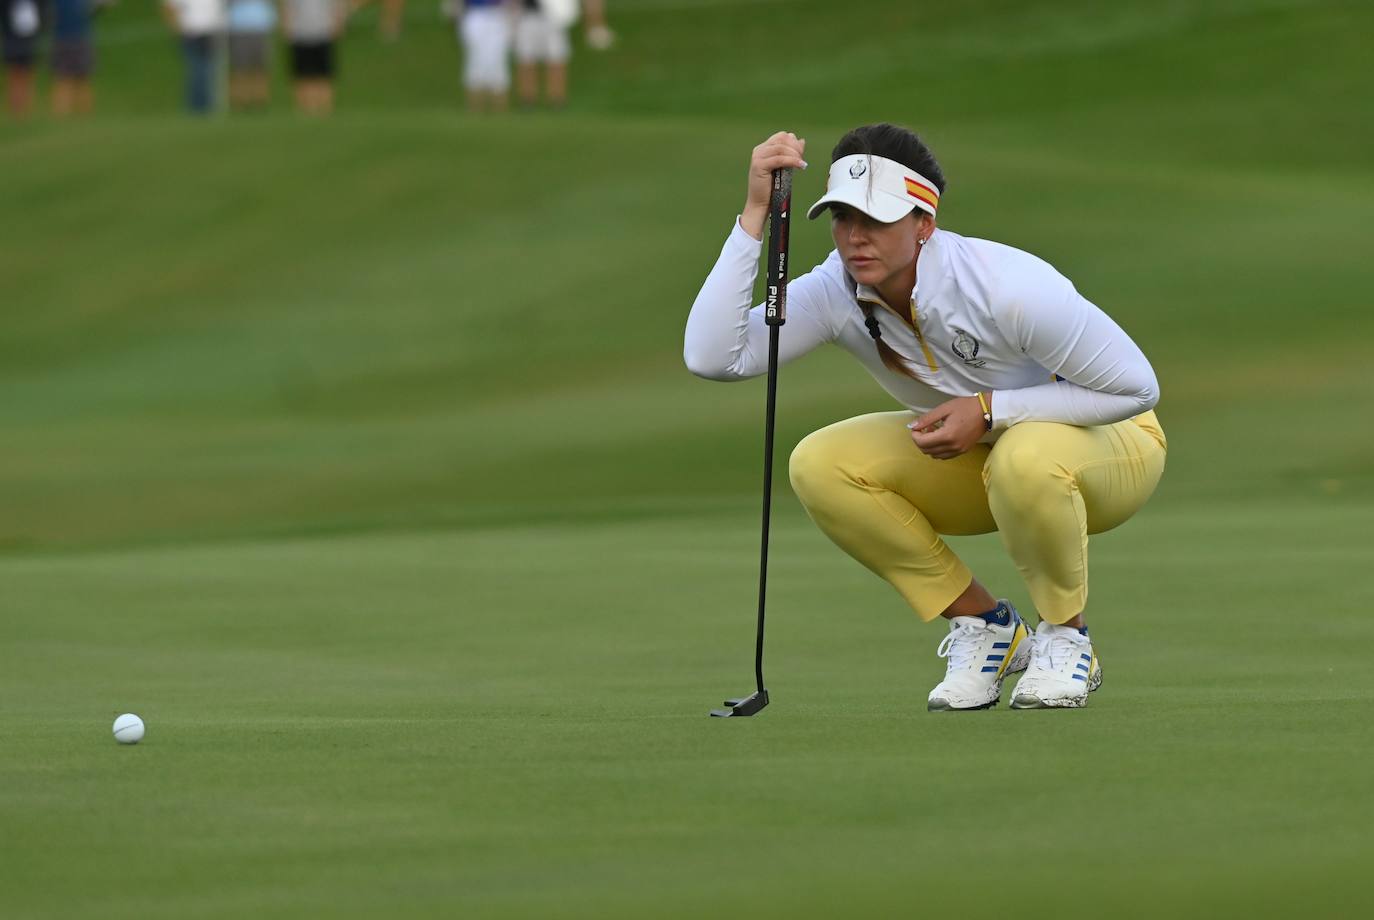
(128, 729)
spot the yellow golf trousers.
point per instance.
(1043, 486)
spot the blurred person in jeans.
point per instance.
(73, 56)
(197, 22)
(485, 31)
(312, 27)
(21, 22)
(541, 37)
(251, 23)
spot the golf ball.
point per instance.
(128, 729)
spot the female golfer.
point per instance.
(1027, 410)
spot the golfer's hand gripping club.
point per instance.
(782, 151)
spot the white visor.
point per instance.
(883, 189)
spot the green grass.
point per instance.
(359, 459)
(510, 722)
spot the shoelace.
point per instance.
(1058, 650)
(961, 645)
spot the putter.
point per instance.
(775, 314)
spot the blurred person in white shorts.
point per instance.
(485, 31)
(541, 37)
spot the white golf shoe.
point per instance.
(980, 652)
(1063, 670)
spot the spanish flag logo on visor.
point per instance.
(920, 192)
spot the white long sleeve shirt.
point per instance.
(198, 17)
(987, 317)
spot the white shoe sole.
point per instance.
(943, 705)
(1030, 701)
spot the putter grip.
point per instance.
(779, 219)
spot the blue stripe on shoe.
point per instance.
(1075, 676)
(1086, 657)
(996, 657)
(1001, 645)
(1083, 667)
(990, 670)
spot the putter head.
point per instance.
(742, 707)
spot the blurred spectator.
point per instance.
(541, 37)
(198, 22)
(73, 57)
(393, 12)
(20, 25)
(599, 35)
(251, 23)
(312, 27)
(391, 16)
(485, 31)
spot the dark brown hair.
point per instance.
(894, 143)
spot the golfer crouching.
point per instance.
(1027, 410)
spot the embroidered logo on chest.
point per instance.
(966, 347)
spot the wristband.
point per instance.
(987, 411)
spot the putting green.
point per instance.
(511, 721)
